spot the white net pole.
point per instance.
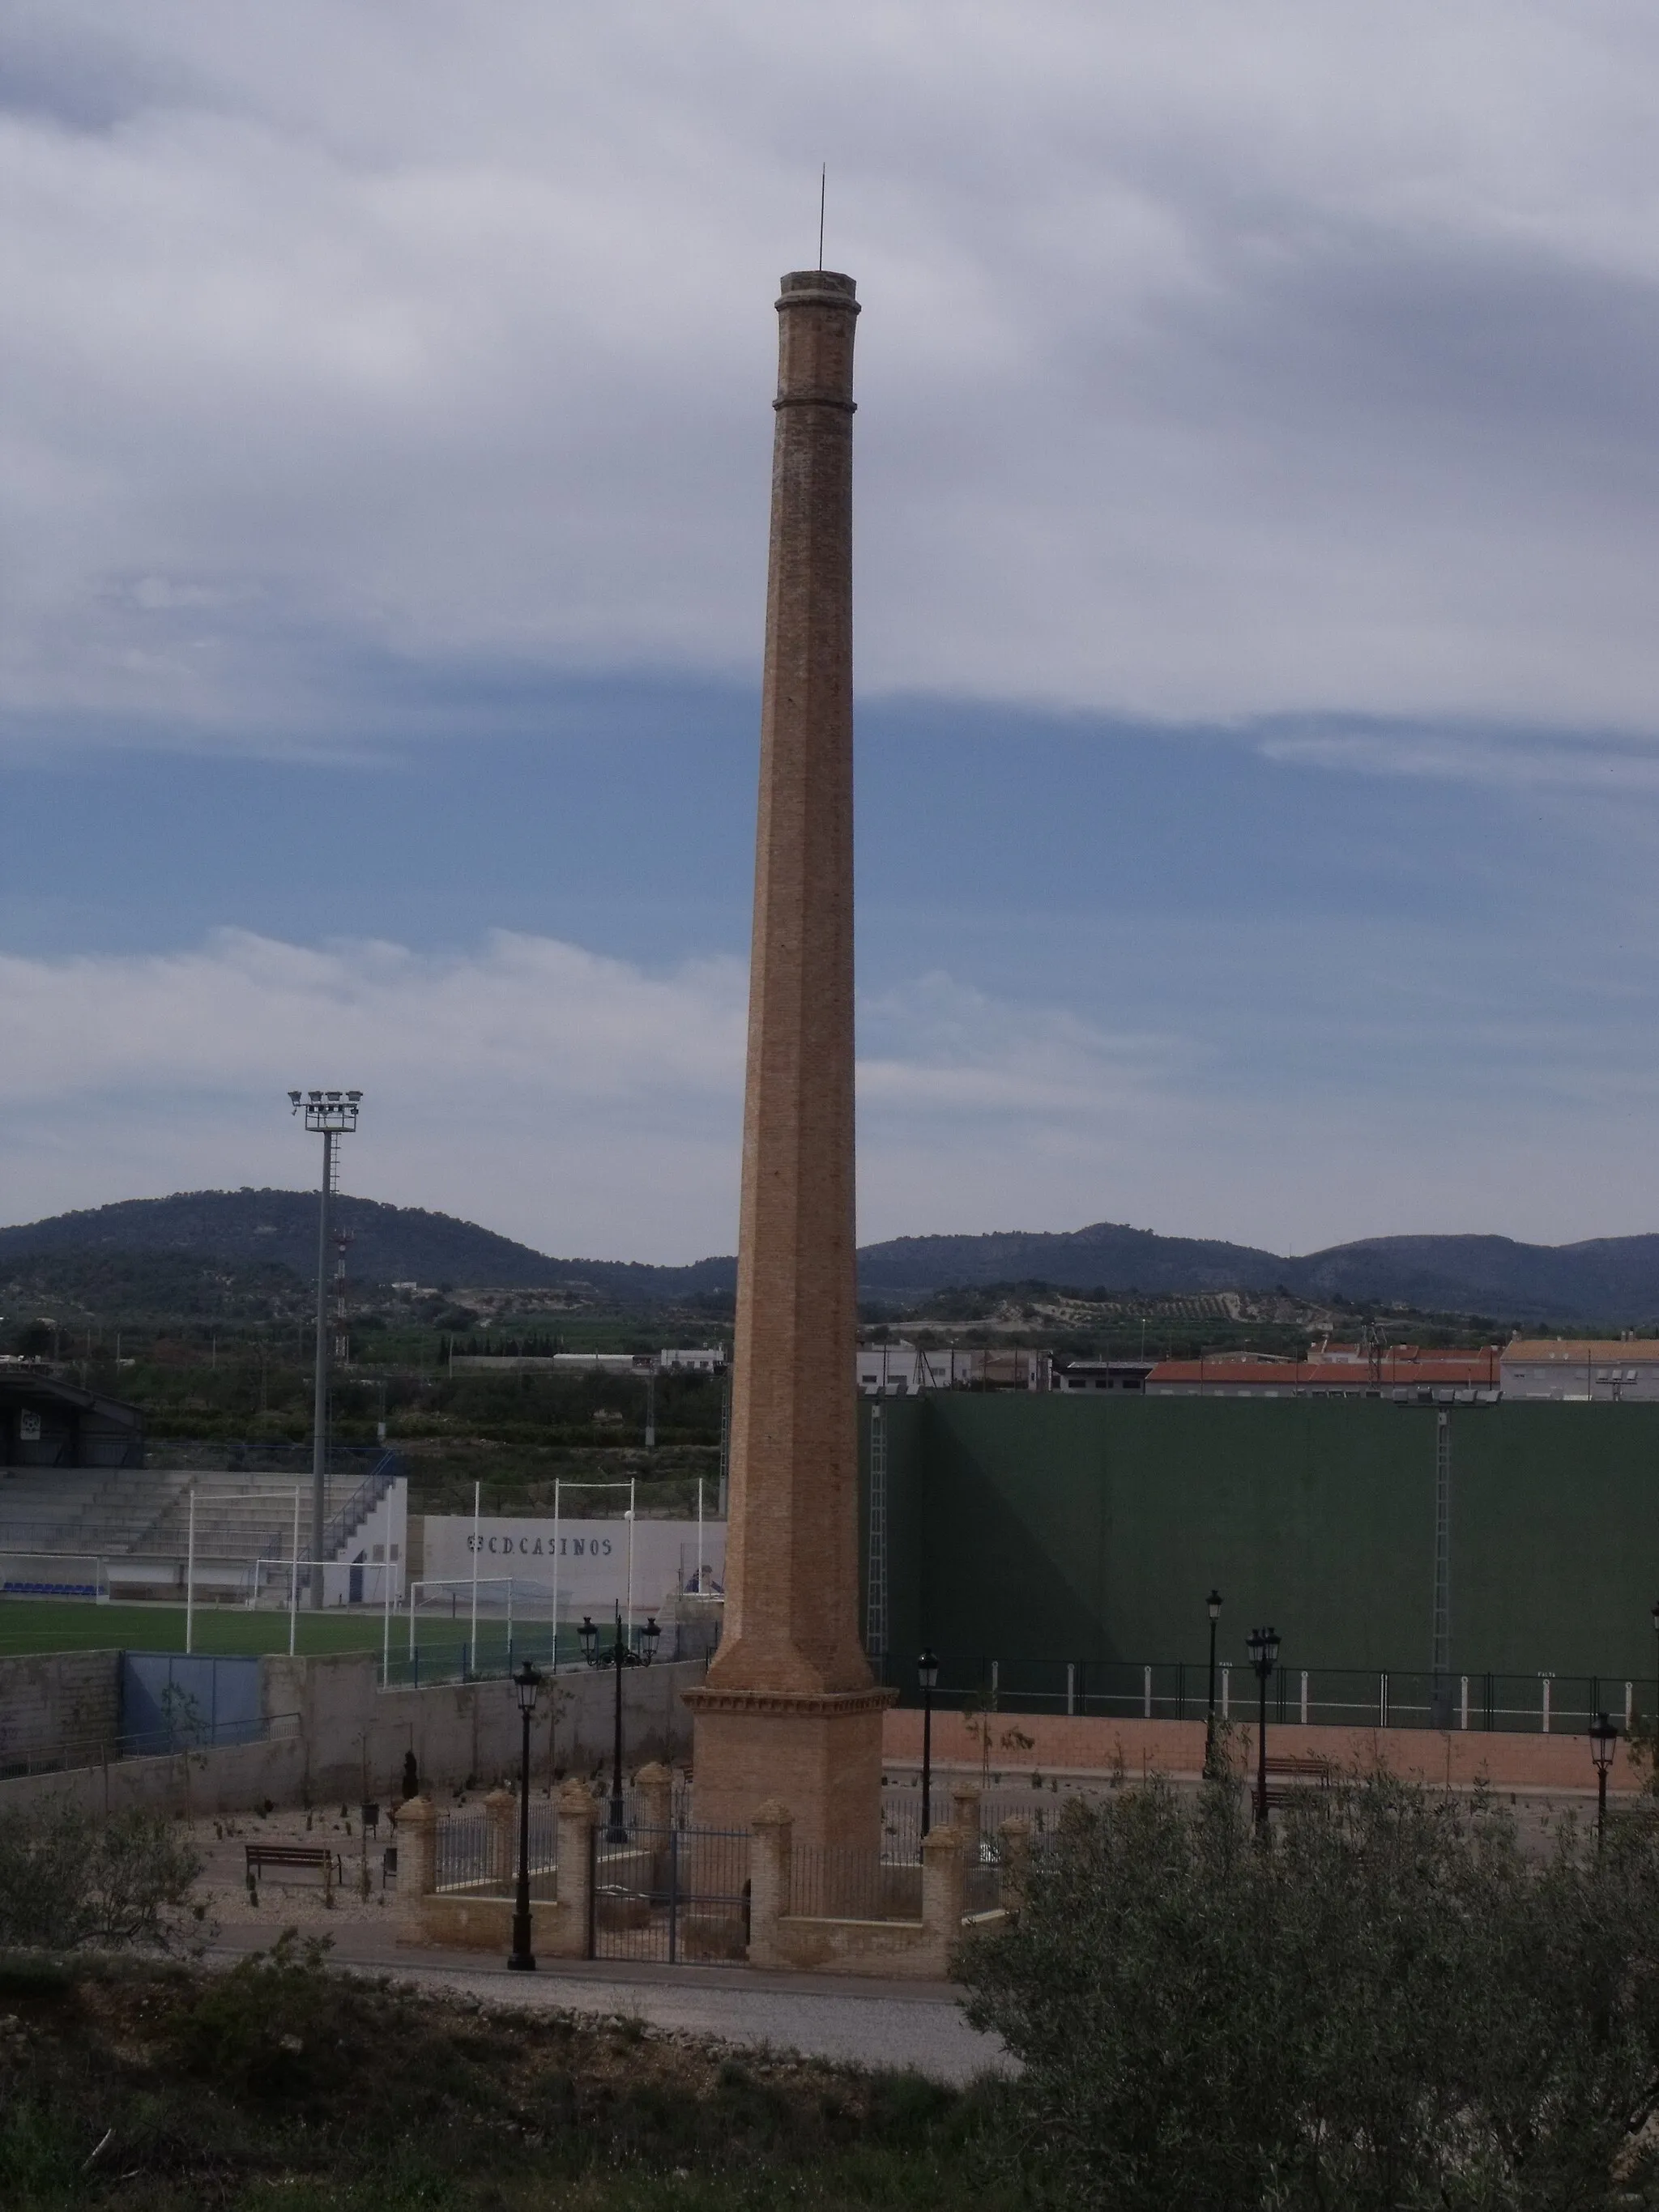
(294, 1579)
(190, 1577)
(553, 1661)
(478, 1496)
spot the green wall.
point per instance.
(1057, 1527)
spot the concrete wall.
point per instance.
(351, 1738)
(457, 1730)
(55, 1698)
(1061, 1527)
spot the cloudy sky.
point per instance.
(1258, 530)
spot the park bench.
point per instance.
(1289, 1777)
(316, 1856)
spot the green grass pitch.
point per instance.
(39, 1624)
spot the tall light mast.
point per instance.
(328, 1114)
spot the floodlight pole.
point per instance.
(319, 1404)
(328, 1114)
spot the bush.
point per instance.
(1384, 2005)
(69, 1882)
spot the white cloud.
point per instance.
(591, 1107)
(1514, 759)
(1216, 363)
(578, 1102)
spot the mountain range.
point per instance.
(1611, 1280)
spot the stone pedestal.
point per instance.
(821, 1755)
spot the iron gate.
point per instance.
(669, 1894)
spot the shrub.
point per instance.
(1385, 2004)
(70, 1881)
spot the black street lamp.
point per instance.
(1603, 1734)
(526, 1682)
(1655, 1677)
(1262, 1644)
(1213, 1601)
(928, 1676)
(618, 1656)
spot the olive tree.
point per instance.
(70, 1881)
(1383, 2002)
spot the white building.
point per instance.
(1605, 1370)
(591, 1566)
(902, 1371)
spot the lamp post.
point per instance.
(1262, 1644)
(1603, 1734)
(618, 1656)
(526, 1682)
(928, 1676)
(1213, 1602)
(330, 1115)
(1655, 1677)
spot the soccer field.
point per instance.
(32, 1623)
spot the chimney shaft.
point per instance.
(790, 1691)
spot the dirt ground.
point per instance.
(295, 1897)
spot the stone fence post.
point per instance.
(655, 1785)
(772, 1830)
(500, 1811)
(1015, 1836)
(577, 1813)
(417, 1858)
(944, 1886)
(965, 1814)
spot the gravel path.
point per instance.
(883, 2027)
(916, 2025)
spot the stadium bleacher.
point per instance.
(134, 1523)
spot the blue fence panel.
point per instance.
(172, 1699)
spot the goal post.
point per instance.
(83, 1575)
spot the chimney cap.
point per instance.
(826, 281)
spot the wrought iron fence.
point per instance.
(471, 1853)
(901, 1818)
(673, 1894)
(463, 1854)
(827, 1883)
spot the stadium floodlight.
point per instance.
(331, 1115)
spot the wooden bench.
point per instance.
(1294, 1775)
(317, 1857)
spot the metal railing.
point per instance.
(826, 1883)
(1543, 1702)
(445, 1650)
(462, 1851)
(470, 1854)
(106, 1747)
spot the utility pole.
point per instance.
(330, 1115)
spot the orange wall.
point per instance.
(1082, 1746)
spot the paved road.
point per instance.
(898, 2024)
